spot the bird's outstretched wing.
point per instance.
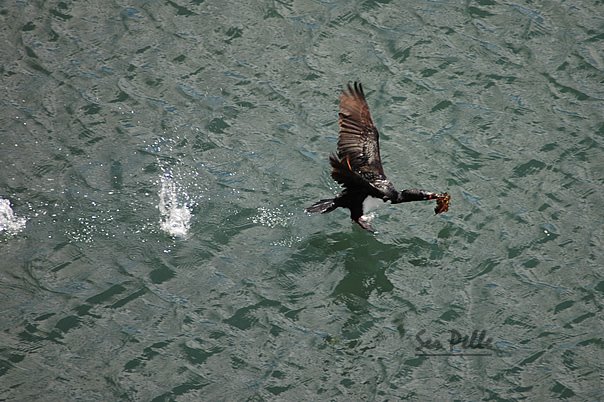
(358, 142)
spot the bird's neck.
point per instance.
(413, 195)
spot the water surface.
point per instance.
(157, 156)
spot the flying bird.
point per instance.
(357, 166)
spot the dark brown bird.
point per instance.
(358, 168)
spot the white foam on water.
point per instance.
(10, 223)
(175, 215)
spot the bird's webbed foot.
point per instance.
(364, 222)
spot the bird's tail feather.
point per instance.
(322, 206)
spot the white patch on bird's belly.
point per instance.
(371, 203)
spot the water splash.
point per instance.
(175, 214)
(179, 187)
(9, 223)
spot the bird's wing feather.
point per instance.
(358, 142)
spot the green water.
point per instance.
(160, 156)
